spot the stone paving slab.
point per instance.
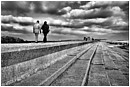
(97, 74)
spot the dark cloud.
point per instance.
(111, 9)
(10, 28)
(24, 21)
(88, 14)
(65, 24)
(15, 7)
(110, 22)
(125, 8)
(103, 4)
(114, 23)
(72, 25)
(21, 8)
(99, 14)
(50, 7)
(56, 7)
(118, 8)
(75, 4)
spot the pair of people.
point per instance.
(37, 29)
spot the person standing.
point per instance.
(36, 30)
(45, 28)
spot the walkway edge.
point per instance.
(88, 68)
(50, 79)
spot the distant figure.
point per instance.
(84, 38)
(36, 30)
(92, 39)
(45, 28)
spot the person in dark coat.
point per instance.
(45, 28)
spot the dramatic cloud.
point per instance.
(64, 10)
(6, 19)
(110, 22)
(24, 21)
(104, 22)
(103, 25)
(87, 14)
(117, 11)
(99, 4)
(15, 7)
(21, 8)
(94, 13)
(99, 30)
(90, 22)
(52, 7)
(11, 28)
(47, 7)
(117, 21)
(69, 31)
(119, 8)
(63, 23)
(67, 24)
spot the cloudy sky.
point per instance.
(67, 19)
